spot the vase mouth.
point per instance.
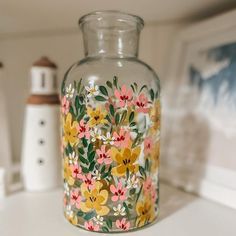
(117, 16)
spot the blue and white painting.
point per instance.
(213, 73)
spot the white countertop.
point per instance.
(40, 214)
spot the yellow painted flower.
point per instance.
(68, 172)
(125, 159)
(155, 114)
(70, 130)
(95, 199)
(96, 116)
(145, 211)
(155, 154)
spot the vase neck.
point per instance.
(111, 34)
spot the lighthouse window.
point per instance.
(42, 80)
(55, 81)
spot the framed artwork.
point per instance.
(199, 109)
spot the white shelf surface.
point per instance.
(40, 214)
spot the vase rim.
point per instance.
(101, 15)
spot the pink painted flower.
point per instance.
(75, 198)
(147, 185)
(142, 103)
(148, 145)
(90, 226)
(123, 224)
(76, 171)
(153, 194)
(122, 138)
(103, 155)
(83, 130)
(119, 192)
(88, 180)
(124, 96)
(65, 104)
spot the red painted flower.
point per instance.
(89, 225)
(123, 224)
(148, 145)
(103, 155)
(119, 192)
(75, 198)
(124, 96)
(76, 171)
(83, 130)
(88, 180)
(122, 138)
(142, 103)
(65, 104)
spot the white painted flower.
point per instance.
(96, 134)
(132, 182)
(92, 90)
(108, 139)
(69, 211)
(73, 158)
(97, 175)
(98, 220)
(70, 91)
(66, 189)
(119, 210)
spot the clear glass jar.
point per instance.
(110, 128)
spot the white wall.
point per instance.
(64, 48)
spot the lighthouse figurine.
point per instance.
(41, 139)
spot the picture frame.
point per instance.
(199, 107)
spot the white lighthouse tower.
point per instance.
(41, 140)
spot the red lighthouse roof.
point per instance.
(45, 62)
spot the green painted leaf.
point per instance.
(100, 98)
(80, 213)
(103, 90)
(89, 215)
(83, 160)
(117, 118)
(85, 170)
(131, 116)
(109, 84)
(142, 171)
(91, 166)
(109, 223)
(139, 193)
(143, 87)
(77, 103)
(81, 150)
(126, 208)
(124, 114)
(79, 85)
(152, 95)
(85, 142)
(112, 111)
(115, 81)
(91, 156)
(90, 147)
(103, 169)
(105, 229)
(146, 165)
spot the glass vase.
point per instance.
(110, 129)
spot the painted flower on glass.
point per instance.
(70, 91)
(96, 134)
(132, 182)
(97, 116)
(75, 198)
(92, 90)
(142, 103)
(65, 105)
(119, 210)
(124, 96)
(68, 172)
(125, 160)
(70, 130)
(119, 192)
(88, 180)
(73, 158)
(104, 156)
(122, 138)
(123, 224)
(71, 216)
(145, 211)
(76, 171)
(89, 225)
(108, 139)
(147, 185)
(148, 145)
(98, 219)
(95, 199)
(83, 130)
